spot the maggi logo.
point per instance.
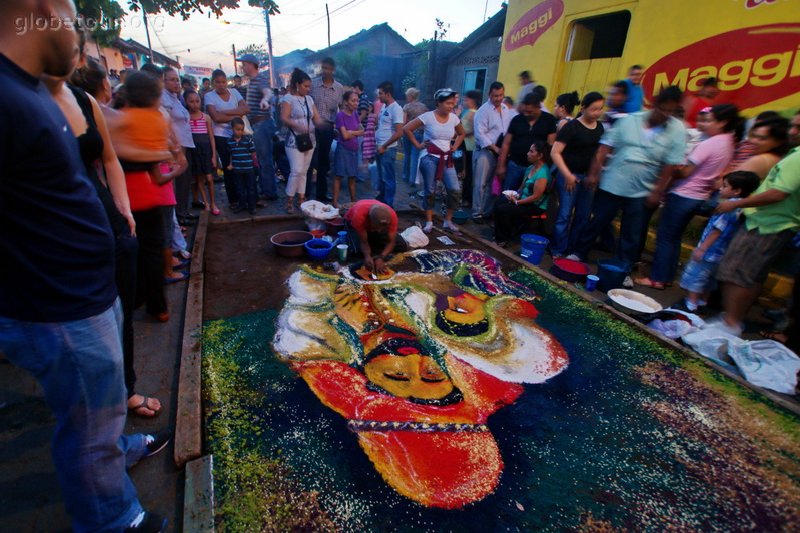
(768, 69)
(533, 24)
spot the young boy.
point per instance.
(243, 163)
(699, 276)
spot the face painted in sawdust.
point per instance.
(416, 364)
(400, 366)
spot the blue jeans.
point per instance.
(427, 167)
(262, 135)
(675, 216)
(387, 184)
(580, 199)
(411, 157)
(604, 208)
(483, 165)
(514, 176)
(79, 366)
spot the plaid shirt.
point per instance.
(327, 99)
(255, 92)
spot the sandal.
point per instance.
(144, 406)
(290, 209)
(777, 336)
(215, 212)
(647, 282)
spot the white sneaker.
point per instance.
(428, 227)
(628, 282)
(449, 226)
(573, 257)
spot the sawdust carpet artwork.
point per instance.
(465, 394)
(417, 363)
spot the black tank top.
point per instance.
(91, 147)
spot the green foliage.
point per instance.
(258, 50)
(103, 17)
(351, 65)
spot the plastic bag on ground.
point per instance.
(415, 237)
(767, 363)
(764, 363)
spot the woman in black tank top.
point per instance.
(102, 168)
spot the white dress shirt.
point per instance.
(490, 123)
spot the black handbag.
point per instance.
(303, 141)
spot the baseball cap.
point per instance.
(250, 58)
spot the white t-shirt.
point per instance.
(390, 115)
(438, 133)
(222, 129)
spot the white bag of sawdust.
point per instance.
(415, 237)
(767, 363)
(318, 210)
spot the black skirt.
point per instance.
(200, 156)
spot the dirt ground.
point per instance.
(243, 273)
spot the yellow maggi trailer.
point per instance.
(751, 46)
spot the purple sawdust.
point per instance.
(734, 455)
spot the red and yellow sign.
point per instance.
(533, 24)
(767, 69)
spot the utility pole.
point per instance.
(269, 50)
(432, 64)
(327, 14)
(147, 32)
(233, 47)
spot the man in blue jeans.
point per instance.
(60, 317)
(259, 94)
(646, 147)
(387, 133)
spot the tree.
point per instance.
(258, 50)
(103, 17)
(350, 65)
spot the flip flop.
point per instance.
(145, 404)
(647, 282)
(777, 336)
(215, 212)
(170, 281)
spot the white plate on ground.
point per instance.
(633, 302)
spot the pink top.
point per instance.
(711, 157)
(198, 125)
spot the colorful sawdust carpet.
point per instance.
(592, 423)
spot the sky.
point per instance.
(207, 42)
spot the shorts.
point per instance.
(345, 163)
(199, 157)
(699, 276)
(750, 255)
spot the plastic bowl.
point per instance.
(290, 243)
(460, 217)
(318, 248)
(569, 270)
(633, 303)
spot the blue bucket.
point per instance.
(612, 273)
(533, 247)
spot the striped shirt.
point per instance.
(198, 125)
(255, 92)
(241, 153)
(327, 98)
